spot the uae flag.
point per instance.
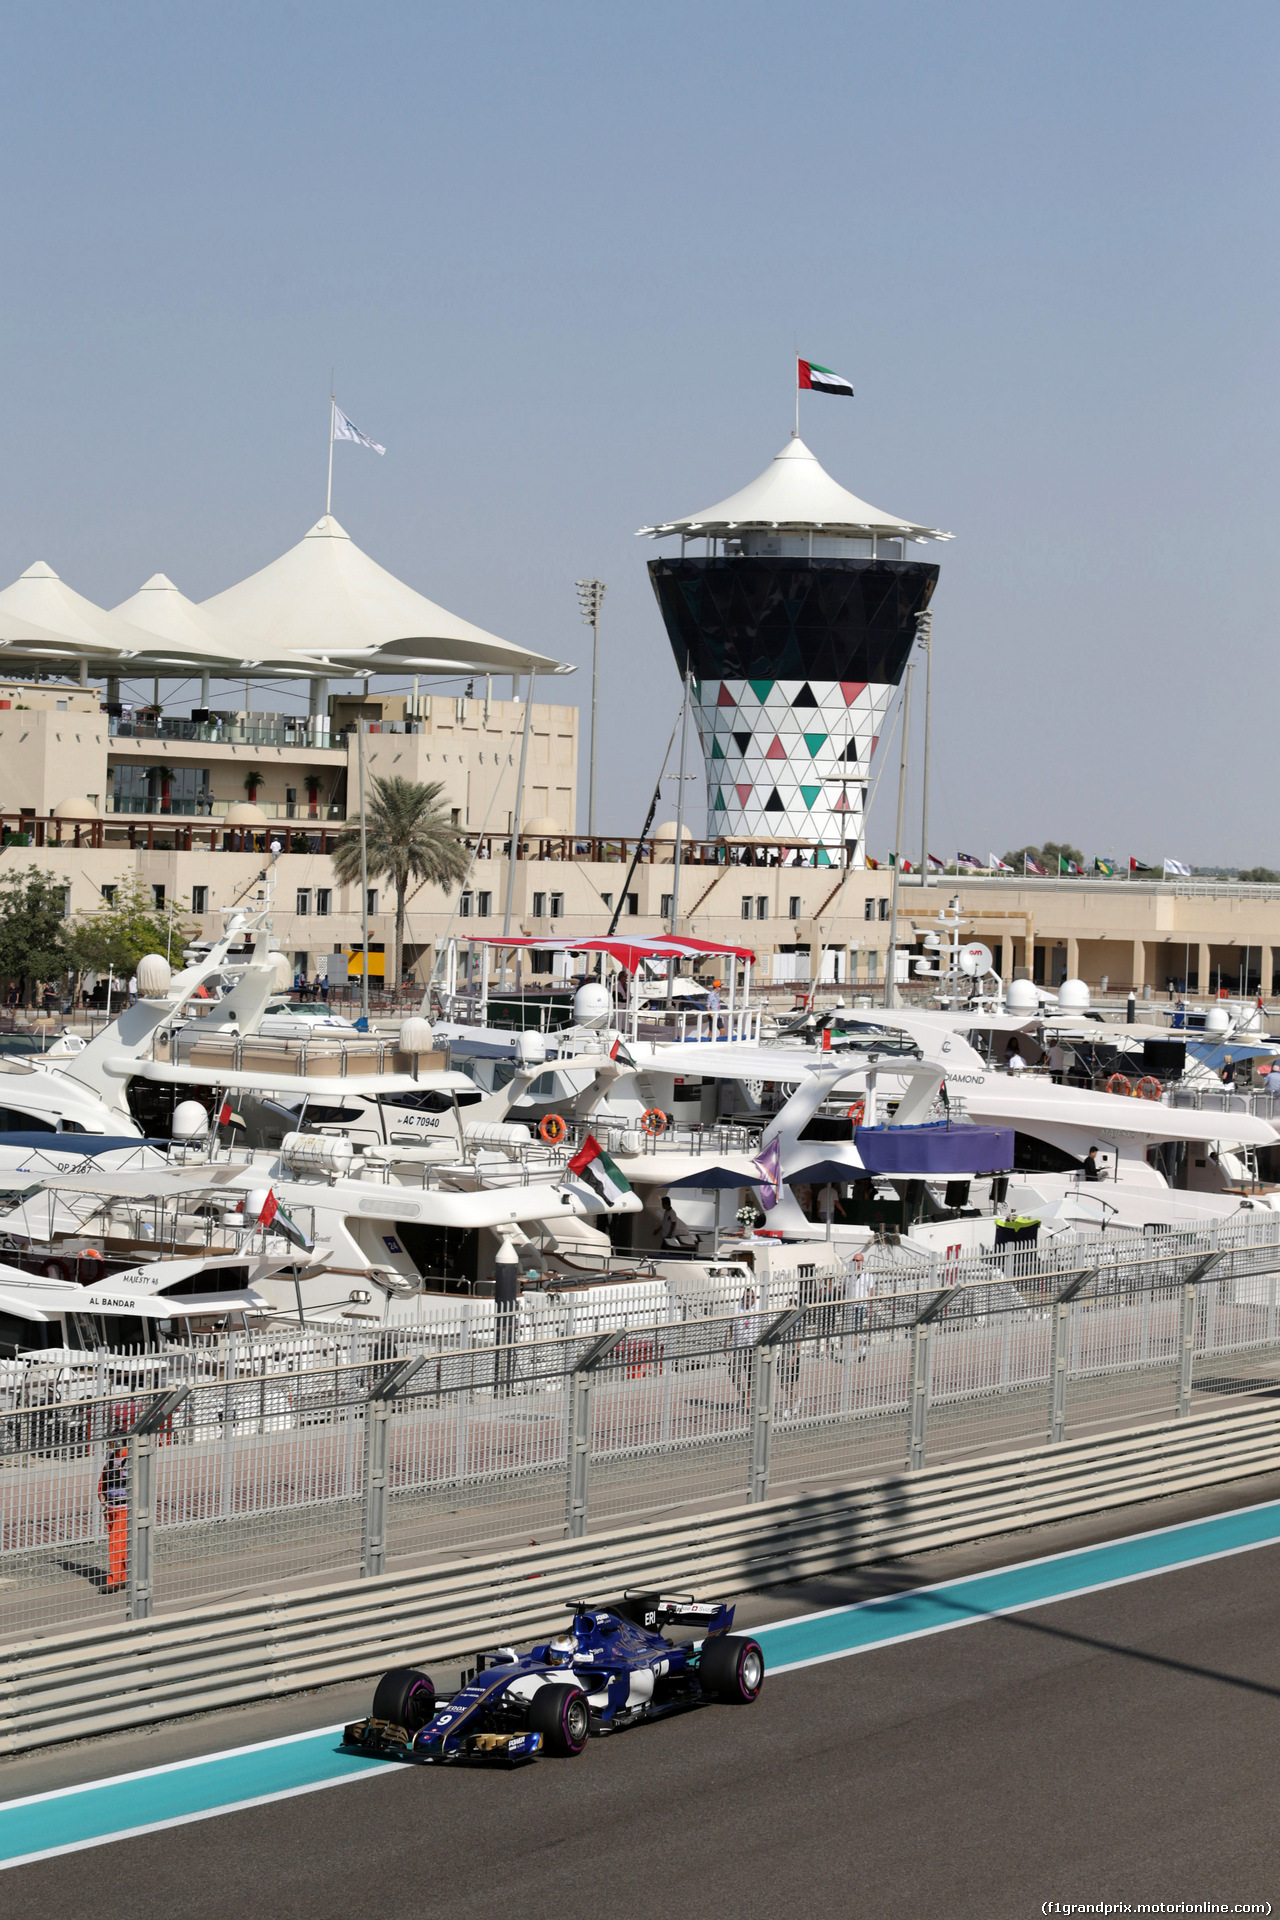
(1138, 866)
(595, 1169)
(619, 1053)
(822, 380)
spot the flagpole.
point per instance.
(796, 435)
(364, 872)
(328, 498)
(891, 970)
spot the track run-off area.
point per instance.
(1112, 1709)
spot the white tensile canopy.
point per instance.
(327, 598)
(795, 494)
(165, 614)
(46, 605)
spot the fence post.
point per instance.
(139, 1577)
(1186, 1348)
(1058, 1371)
(1060, 1360)
(581, 1380)
(764, 1375)
(579, 1452)
(137, 1591)
(377, 1463)
(918, 1394)
(764, 1381)
(1187, 1332)
(373, 1533)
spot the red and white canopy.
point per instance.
(627, 953)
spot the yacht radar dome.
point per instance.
(591, 1005)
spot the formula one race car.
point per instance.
(613, 1667)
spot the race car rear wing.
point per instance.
(655, 1611)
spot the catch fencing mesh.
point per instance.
(259, 1457)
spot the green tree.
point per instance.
(410, 837)
(1054, 851)
(33, 929)
(1049, 856)
(1259, 876)
(125, 928)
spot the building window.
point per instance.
(668, 900)
(633, 903)
(109, 896)
(795, 907)
(66, 903)
(746, 906)
(868, 909)
(557, 905)
(291, 803)
(884, 908)
(606, 899)
(873, 967)
(484, 904)
(199, 899)
(324, 900)
(372, 900)
(539, 906)
(464, 906)
(303, 904)
(762, 907)
(157, 897)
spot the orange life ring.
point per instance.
(1149, 1087)
(654, 1122)
(552, 1129)
(1118, 1084)
(857, 1112)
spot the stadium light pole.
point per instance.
(924, 633)
(590, 599)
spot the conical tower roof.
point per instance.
(795, 493)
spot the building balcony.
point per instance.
(210, 809)
(228, 730)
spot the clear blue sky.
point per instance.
(560, 257)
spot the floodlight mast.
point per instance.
(924, 633)
(590, 599)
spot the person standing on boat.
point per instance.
(113, 1492)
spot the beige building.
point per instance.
(801, 921)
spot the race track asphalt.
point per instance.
(1122, 1746)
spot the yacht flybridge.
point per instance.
(343, 1175)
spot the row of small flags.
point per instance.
(971, 863)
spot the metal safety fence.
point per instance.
(305, 1456)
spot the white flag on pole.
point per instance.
(343, 429)
(1177, 867)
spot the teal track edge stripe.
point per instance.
(810, 1638)
(99, 1811)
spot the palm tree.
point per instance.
(409, 837)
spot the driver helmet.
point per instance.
(560, 1652)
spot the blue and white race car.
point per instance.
(613, 1667)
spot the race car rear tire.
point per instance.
(563, 1718)
(731, 1668)
(405, 1697)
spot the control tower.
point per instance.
(795, 613)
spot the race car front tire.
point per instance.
(406, 1698)
(731, 1668)
(563, 1718)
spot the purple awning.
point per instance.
(934, 1152)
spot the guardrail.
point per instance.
(71, 1685)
